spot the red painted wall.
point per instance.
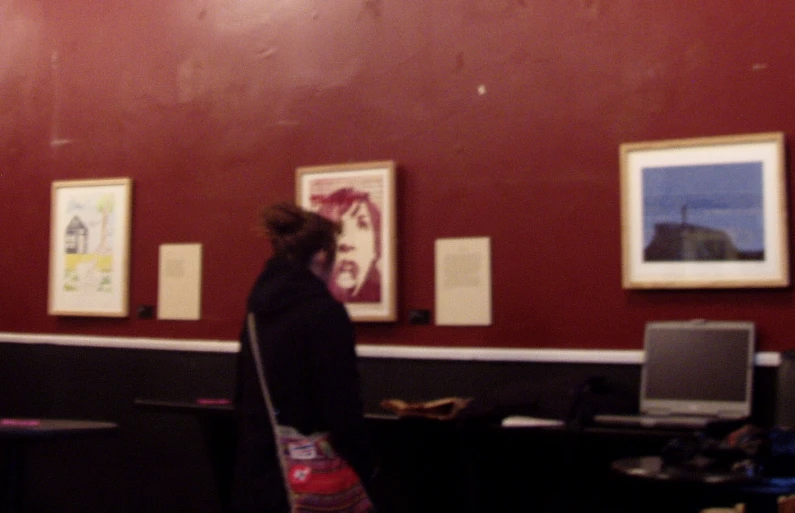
(504, 117)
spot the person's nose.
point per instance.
(345, 247)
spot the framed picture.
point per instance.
(90, 247)
(362, 198)
(704, 213)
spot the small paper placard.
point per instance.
(179, 282)
(463, 281)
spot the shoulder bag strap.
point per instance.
(251, 321)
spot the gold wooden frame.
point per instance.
(737, 182)
(376, 181)
(90, 247)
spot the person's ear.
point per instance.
(320, 258)
(320, 265)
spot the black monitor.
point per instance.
(698, 368)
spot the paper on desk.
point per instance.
(445, 408)
(523, 421)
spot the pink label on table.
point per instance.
(20, 422)
(212, 401)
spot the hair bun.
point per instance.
(298, 234)
(284, 219)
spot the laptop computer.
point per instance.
(693, 373)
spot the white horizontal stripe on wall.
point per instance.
(604, 356)
(502, 354)
(164, 344)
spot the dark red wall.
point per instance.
(504, 117)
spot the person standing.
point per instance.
(307, 343)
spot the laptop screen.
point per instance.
(698, 368)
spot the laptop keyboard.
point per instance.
(659, 421)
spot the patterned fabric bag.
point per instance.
(317, 480)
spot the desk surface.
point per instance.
(19, 428)
(201, 405)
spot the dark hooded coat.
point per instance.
(306, 341)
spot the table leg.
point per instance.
(762, 503)
(12, 473)
(219, 439)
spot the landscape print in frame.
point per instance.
(705, 213)
(90, 247)
(361, 196)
